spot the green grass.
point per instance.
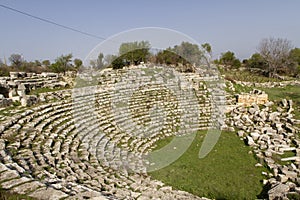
(241, 89)
(247, 76)
(277, 158)
(44, 90)
(161, 143)
(288, 92)
(228, 172)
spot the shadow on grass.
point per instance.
(264, 192)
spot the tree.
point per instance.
(294, 66)
(189, 52)
(275, 52)
(62, 63)
(100, 63)
(118, 63)
(37, 63)
(295, 55)
(208, 49)
(46, 63)
(16, 60)
(228, 59)
(256, 61)
(77, 63)
(4, 70)
(135, 52)
(108, 59)
(169, 57)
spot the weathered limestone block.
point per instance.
(48, 194)
(14, 182)
(249, 99)
(8, 175)
(278, 191)
(250, 141)
(29, 100)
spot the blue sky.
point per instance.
(237, 26)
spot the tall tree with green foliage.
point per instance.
(135, 52)
(189, 52)
(185, 54)
(46, 63)
(208, 49)
(62, 63)
(256, 61)
(77, 63)
(294, 66)
(169, 57)
(229, 60)
(295, 55)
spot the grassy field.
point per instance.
(228, 172)
(247, 76)
(288, 92)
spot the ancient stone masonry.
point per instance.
(17, 87)
(83, 146)
(255, 97)
(272, 133)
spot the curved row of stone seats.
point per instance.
(32, 160)
(51, 152)
(94, 139)
(103, 146)
(124, 119)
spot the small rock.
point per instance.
(255, 135)
(258, 165)
(284, 103)
(240, 133)
(250, 141)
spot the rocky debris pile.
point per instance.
(5, 101)
(55, 95)
(29, 100)
(272, 132)
(18, 85)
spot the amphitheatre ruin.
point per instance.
(90, 138)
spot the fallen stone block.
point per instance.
(48, 194)
(278, 191)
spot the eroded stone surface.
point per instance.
(14, 182)
(48, 194)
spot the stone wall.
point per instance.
(254, 97)
(18, 85)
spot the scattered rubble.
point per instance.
(271, 133)
(17, 86)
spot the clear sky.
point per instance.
(235, 25)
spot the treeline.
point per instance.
(62, 64)
(184, 56)
(274, 57)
